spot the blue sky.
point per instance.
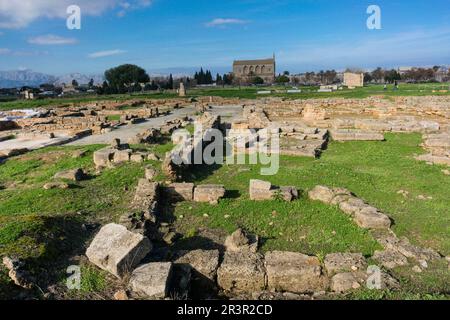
(180, 35)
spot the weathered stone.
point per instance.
(209, 193)
(146, 198)
(294, 272)
(122, 155)
(150, 173)
(117, 250)
(103, 157)
(411, 251)
(17, 274)
(241, 241)
(321, 193)
(289, 193)
(346, 281)
(261, 190)
(79, 153)
(241, 271)
(390, 258)
(153, 157)
(180, 191)
(121, 295)
(204, 265)
(260, 184)
(74, 174)
(137, 157)
(370, 218)
(151, 280)
(115, 143)
(351, 205)
(344, 262)
(56, 185)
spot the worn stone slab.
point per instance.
(209, 193)
(151, 280)
(203, 265)
(241, 241)
(122, 155)
(294, 272)
(371, 218)
(390, 259)
(117, 250)
(321, 193)
(180, 191)
(344, 262)
(73, 174)
(103, 157)
(241, 271)
(343, 282)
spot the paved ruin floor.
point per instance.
(129, 131)
(33, 143)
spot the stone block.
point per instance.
(344, 262)
(152, 280)
(103, 157)
(209, 193)
(117, 250)
(122, 156)
(180, 191)
(242, 272)
(294, 272)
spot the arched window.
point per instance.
(263, 69)
(251, 69)
(245, 70)
(257, 70)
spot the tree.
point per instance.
(286, 73)
(282, 79)
(219, 79)
(122, 77)
(378, 74)
(391, 76)
(170, 83)
(74, 83)
(91, 83)
(257, 80)
(367, 77)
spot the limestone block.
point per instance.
(117, 250)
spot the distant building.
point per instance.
(442, 74)
(404, 70)
(244, 70)
(354, 79)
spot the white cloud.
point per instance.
(107, 53)
(224, 21)
(20, 13)
(9, 52)
(51, 39)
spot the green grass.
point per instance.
(42, 226)
(425, 89)
(375, 171)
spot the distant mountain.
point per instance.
(80, 78)
(20, 78)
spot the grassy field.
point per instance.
(245, 93)
(45, 227)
